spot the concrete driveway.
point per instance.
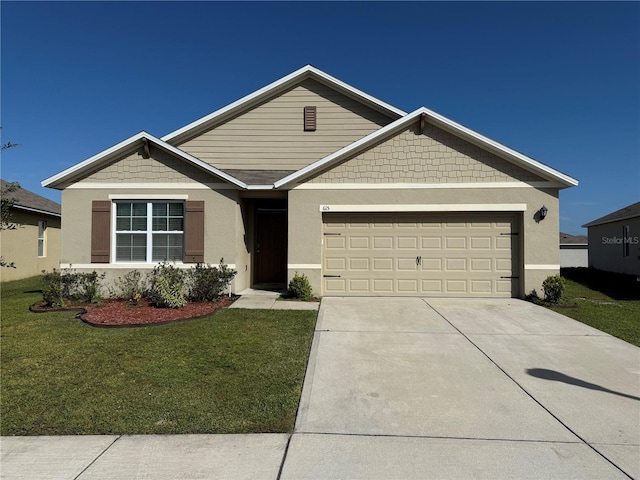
(464, 388)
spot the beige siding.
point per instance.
(538, 241)
(434, 157)
(607, 250)
(20, 246)
(160, 167)
(271, 136)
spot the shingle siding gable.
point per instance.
(434, 157)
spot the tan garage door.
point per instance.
(461, 254)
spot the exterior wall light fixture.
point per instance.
(543, 212)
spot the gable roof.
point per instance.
(110, 154)
(447, 125)
(308, 71)
(31, 202)
(630, 211)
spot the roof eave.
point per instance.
(438, 120)
(35, 210)
(56, 181)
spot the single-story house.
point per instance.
(311, 175)
(32, 243)
(573, 250)
(614, 241)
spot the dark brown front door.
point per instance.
(271, 246)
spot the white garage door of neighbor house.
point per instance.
(439, 254)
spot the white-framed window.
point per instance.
(42, 238)
(626, 238)
(148, 231)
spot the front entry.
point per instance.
(271, 244)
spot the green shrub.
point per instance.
(52, 288)
(59, 287)
(166, 286)
(553, 287)
(130, 286)
(207, 283)
(86, 287)
(299, 287)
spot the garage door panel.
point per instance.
(335, 243)
(480, 243)
(357, 242)
(335, 263)
(445, 254)
(383, 285)
(356, 263)
(407, 242)
(431, 243)
(406, 264)
(431, 264)
(382, 243)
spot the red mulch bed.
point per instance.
(122, 313)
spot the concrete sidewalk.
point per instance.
(267, 300)
(158, 457)
(407, 389)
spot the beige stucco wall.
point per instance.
(539, 244)
(606, 247)
(271, 136)
(20, 246)
(221, 222)
(436, 156)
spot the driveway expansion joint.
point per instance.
(529, 394)
(79, 476)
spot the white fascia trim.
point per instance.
(541, 267)
(307, 266)
(131, 266)
(260, 187)
(299, 74)
(411, 186)
(150, 186)
(35, 210)
(343, 152)
(142, 196)
(440, 121)
(566, 179)
(128, 143)
(440, 207)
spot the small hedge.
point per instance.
(299, 287)
(167, 286)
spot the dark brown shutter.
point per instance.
(309, 119)
(194, 232)
(100, 231)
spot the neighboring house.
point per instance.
(33, 244)
(311, 175)
(573, 250)
(614, 241)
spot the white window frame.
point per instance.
(148, 232)
(42, 238)
(626, 238)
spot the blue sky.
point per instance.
(556, 81)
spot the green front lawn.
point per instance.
(605, 301)
(238, 371)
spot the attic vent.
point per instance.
(309, 119)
